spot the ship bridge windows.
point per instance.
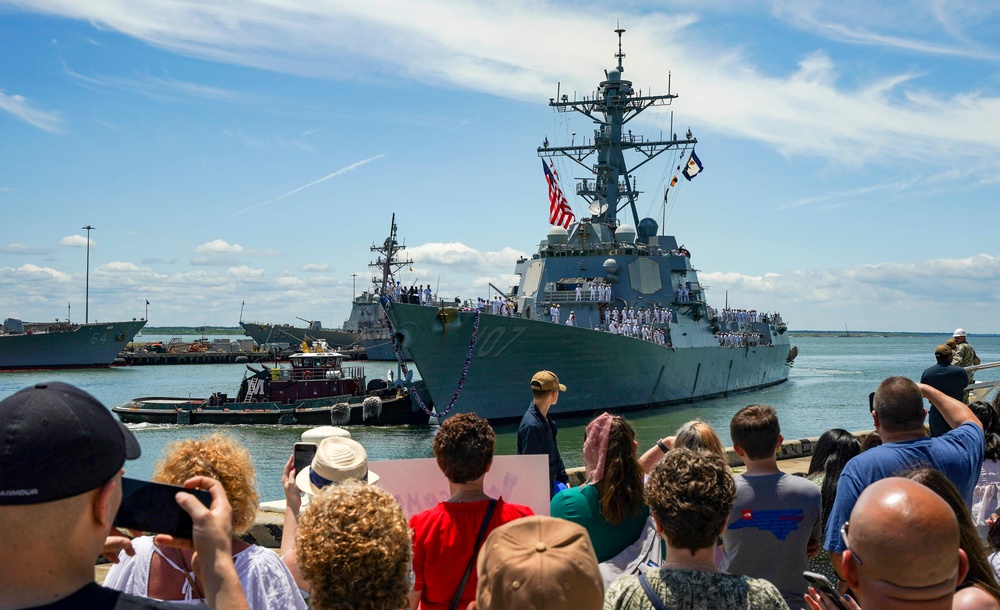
(644, 276)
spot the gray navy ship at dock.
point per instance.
(61, 345)
(365, 327)
(596, 272)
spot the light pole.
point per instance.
(86, 307)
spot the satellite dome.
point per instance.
(625, 234)
(558, 236)
(647, 228)
(611, 266)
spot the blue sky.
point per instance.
(253, 151)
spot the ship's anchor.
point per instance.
(465, 368)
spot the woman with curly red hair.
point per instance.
(446, 538)
(165, 573)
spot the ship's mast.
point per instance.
(387, 261)
(611, 107)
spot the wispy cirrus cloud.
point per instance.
(816, 106)
(21, 107)
(22, 249)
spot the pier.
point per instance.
(150, 358)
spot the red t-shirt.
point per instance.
(443, 538)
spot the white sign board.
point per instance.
(419, 484)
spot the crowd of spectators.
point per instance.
(671, 527)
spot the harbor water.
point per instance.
(827, 388)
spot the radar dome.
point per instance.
(647, 228)
(625, 234)
(611, 266)
(558, 236)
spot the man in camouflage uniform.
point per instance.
(965, 355)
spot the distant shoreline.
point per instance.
(236, 330)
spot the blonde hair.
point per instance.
(698, 435)
(353, 546)
(219, 457)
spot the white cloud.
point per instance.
(315, 267)
(20, 107)
(219, 246)
(459, 255)
(245, 272)
(872, 296)
(75, 241)
(819, 108)
(32, 273)
(22, 249)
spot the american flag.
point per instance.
(559, 211)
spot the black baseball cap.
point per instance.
(57, 441)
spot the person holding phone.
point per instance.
(164, 573)
(61, 459)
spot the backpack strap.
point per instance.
(650, 593)
(475, 552)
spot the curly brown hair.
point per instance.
(691, 494)
(353, 546)
(221, 458)
(464, 446)
(622, 494)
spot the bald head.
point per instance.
(904, 540)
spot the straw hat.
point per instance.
(337, 459)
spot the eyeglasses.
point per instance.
(871, 402)
(847, 545)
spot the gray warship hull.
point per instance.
(601, 371)
(66, 346)
(269, 334)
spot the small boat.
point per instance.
(313, 389)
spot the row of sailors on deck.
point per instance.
(637, 331)
(597, 291)
(734, 339)
(653, 315)
(741, 316)
(498, 306)
(422, 295)
(745, 316)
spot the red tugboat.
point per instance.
(313, 389)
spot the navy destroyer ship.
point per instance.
(614, 309)
(365, 326)
(60, 345)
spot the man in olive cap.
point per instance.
(537, 432)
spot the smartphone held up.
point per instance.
(152, 507)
